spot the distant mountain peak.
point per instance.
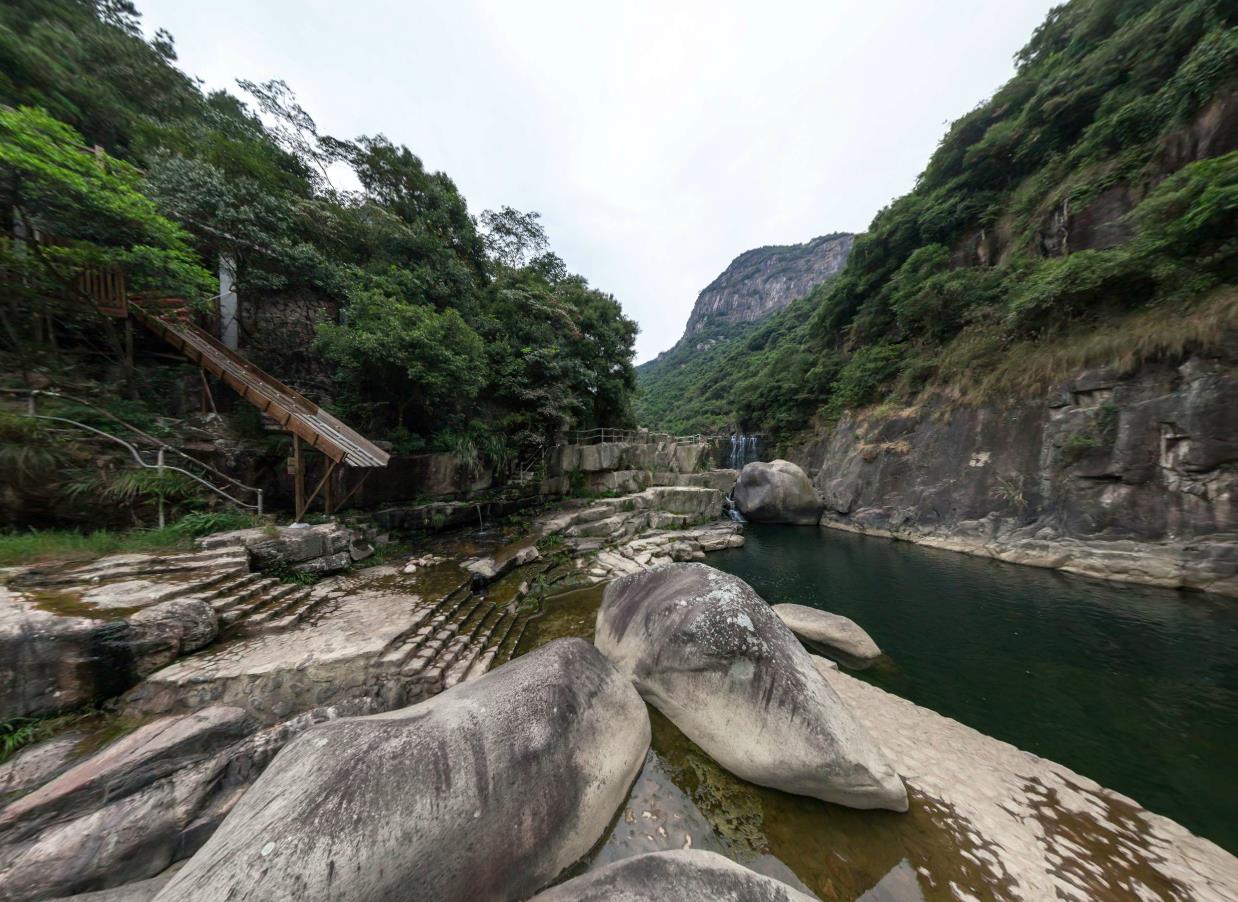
(766, 279)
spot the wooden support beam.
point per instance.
(353, 490)
(206, 393)
(318, 488)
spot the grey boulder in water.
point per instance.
(777, 492)
(487, 791)
(702, 647)
(679, 876)
(834, 632)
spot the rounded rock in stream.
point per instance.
(703, 648)
(677, 876)
(487, 791)
(837, 633)
(777, 492)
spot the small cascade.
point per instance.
(731, 511)
(744, 450)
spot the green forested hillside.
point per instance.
(428, 326)
(1086, 213)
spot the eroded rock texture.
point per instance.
(682, 876)
(766, 279)
(487, 791)
(1127, 477)
(706, 650)
(839, 635)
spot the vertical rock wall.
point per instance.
(1129, 477)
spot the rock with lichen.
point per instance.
(707, 651)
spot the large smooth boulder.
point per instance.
(487, 791)
(677, 876)
(707, 651)
(834, 632)
(54, 661)
(777, 492)
(117, 815)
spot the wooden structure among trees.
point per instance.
(292, 412)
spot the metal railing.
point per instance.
(603, 434)
(161, 448)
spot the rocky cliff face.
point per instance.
(760, 281)
(1123, 477)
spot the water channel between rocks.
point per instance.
(1136, 688)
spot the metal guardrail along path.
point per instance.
(161, 449)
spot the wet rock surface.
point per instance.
(677, 876)
(59, 651)
(1033, 827)
(352, 645)
(124, 813)
(503, 782)
(707, 651)
(777, 492)
(658, 507)
(837, 634)
(969, 802)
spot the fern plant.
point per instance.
(28, 452)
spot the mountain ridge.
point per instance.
(762, 280)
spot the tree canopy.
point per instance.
(431, 326)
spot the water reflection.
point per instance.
(1134, 687)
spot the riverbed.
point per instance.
(1134, 687)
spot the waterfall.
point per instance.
(744, 450)
(729, 508)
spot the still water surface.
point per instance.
(1136, 688)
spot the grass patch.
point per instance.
(19, 732)
(38, 546)
(986, 368)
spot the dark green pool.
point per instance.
(1136, 688)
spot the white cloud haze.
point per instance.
(657, 140)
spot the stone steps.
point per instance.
(478, 644)
(507, 650)
(488, 649)
(281, 610)
(429, 622)
(221, 593)
(119, 568)
(300, 608)
(237, 603)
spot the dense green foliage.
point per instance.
(1077, 197)
(423, 324)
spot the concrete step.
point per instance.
(508, 649)
(460, 666)
(255, 597)
(427, 620)
(222, 594)
(276, 604)
(499, 633)
(296, 611)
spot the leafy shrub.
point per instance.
(1078, 445)
(204, 523)
(864, 375)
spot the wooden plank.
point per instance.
(294, 413)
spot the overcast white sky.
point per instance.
(657, 139)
